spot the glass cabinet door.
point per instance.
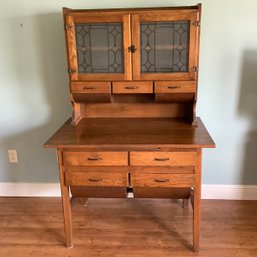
(165, 46)
(96, 47)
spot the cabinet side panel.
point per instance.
(71, 46)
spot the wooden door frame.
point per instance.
(193, 17)
(70, 22)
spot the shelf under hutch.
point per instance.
(133, 88)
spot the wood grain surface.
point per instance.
(162, 158)
(132, 87)
(32, 227)
(148, 133)
(95, 158)
(91, 87)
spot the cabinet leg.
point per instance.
(83, 201)
(196, 200)
(196, 219)
(67, 216)
(185, 203)
(66, 203)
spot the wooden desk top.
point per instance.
(131, 133)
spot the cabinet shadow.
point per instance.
(248, 109)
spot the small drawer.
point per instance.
(174, 86)
(91, 87)
(140, 87)
(162, 180)
(96, 179)
(71, 158)
(163, 158)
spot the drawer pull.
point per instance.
(94, 158)
(89, 88)
(131, 87)
(95, 179)
(161, 180)
(161, 159)
(173, 87)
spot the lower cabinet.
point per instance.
(144, 173)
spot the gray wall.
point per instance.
(34, 99)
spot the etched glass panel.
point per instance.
(100, 47)
(164, 46)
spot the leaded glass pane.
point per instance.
(164, 46)
(99, 47)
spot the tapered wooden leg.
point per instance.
(67, 217)
(197, 203)
(65, 203)
(83, 201)
(185, 203)
(196, 222)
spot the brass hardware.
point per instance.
(161, 159)
(94, 158)
(71, 71)
(195, 69)
(89, 88)
(132, 49)
(131, 87)
(173, 87)
(196, 23)
(68, 26)
(95, 179)
(161, 180)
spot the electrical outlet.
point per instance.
(13, 157)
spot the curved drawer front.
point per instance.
(71, 158)
(162, 180)
(163, 158)
(96, 179)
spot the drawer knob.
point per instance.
(95, 179)
(131, 87)
(161, 180)
(173, 87)
(94, 158)
(89, 88)
(161, 159)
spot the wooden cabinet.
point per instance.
(133, 86)
(132, 44)
(133, 56)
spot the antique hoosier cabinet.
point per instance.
(133, 88)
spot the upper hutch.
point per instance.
(133, 56)
(133, 88)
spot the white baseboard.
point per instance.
(225, 192)
(229, 192)
(30, 189)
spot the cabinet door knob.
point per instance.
(132, 49)
(161, 180)
(161, 159)
(95, 179)
(94, 158)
